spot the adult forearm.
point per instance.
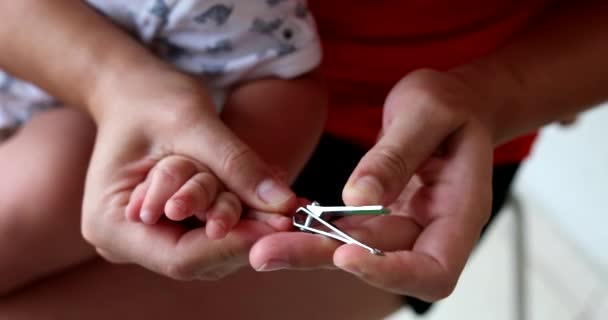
(65, 47)
(557, 67)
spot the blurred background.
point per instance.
(546, 256)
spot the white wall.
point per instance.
(567, 175)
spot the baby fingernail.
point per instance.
(216, 229)
(281, 222)
(176, 207)
(274, 265)
(273, 192)
(147, 217)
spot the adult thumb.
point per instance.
(240, 169)
(415, 125)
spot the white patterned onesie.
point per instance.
(224, 42)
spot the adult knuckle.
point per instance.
(236, 157)
(418, 81)
(435, 94)
(443, 292)
(393, 160)
(185, 112)
(443, 288)
(432, 103)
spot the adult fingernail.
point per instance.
(273, 192)
(274, 265)
(147, 217)
(367, 188)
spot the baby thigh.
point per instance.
(42, 170)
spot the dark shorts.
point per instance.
(332, 163)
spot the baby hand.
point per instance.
(181, 188)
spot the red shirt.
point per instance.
(370, 44)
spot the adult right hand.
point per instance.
(432, 167)
(143, 117)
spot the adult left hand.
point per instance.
(432, 166)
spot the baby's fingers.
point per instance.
(195, 195)
(133, 209)
(223, 215)
(276, 221)
(167, 177)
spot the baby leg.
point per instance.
(43, 168)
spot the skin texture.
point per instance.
(432, 164)
(433, 160)
(443, 196)
(143, 113)
(131, 292)
(35, 208)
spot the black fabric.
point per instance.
(332, 163)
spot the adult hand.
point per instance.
(143, 117)
(432, 165)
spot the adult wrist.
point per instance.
(499, 90)
(132, 73)
(112, 71)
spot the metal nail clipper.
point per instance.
(306, 216)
